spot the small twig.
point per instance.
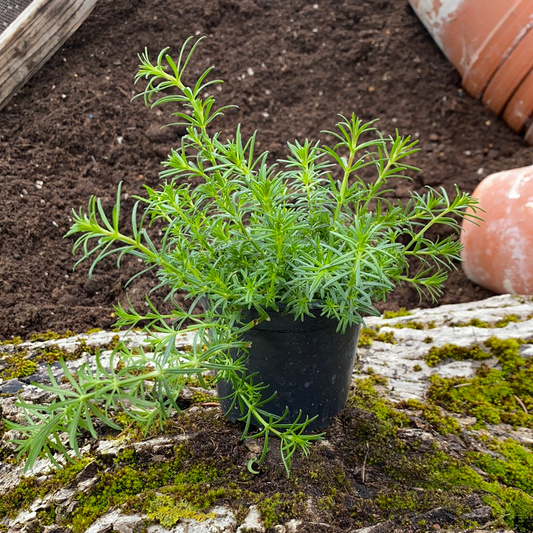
(461, 385)
(209, 404)
(125, 429)
(363, 468)
(124, 92)
(521, 403)
(215, 446)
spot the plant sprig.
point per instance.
(249, 236)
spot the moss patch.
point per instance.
(53, 353)
(413, 325)
(458, 353)
(18, 366)
(168, 511)
(511, 506)
(14, 341)
(475, 322)
(395, 314)
(51, 336)
(492, 396)
(433, 415)
(369, 335)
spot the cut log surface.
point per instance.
(34, 37)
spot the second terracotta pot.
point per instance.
(490, 42)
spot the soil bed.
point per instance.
(289, 66)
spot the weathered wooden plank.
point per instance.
(34, 37)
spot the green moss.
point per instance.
(366, 397)
(509, 463)
(18, 366)
(126, 456)
(506, 320)
(398, 500)
(193, 381)
(508, 467)
(428, 339)
(510, 505)
(417, 368)
(279, 508)
(168, 511)
(414, 325)
(458, 353)
(53, 353)
(475, 322)
(369, 335)
(394, 314)
(492, 396)
(13, 341)
(63, 476)
(199, 396)
(19, 498)
(433, 415)
(93, 330)
(47, 517)
(29, 489)
(51, 336)
(180, 478)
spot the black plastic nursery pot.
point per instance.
(308, 364)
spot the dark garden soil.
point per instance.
(72, 131)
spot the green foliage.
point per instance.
(309, 235)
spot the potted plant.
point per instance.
(305, 247)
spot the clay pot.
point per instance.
(498, 254)
(490, 42)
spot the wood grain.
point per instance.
(34, 37)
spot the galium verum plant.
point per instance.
(309, 231)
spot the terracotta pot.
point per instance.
(490, 42)
(498, 254)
